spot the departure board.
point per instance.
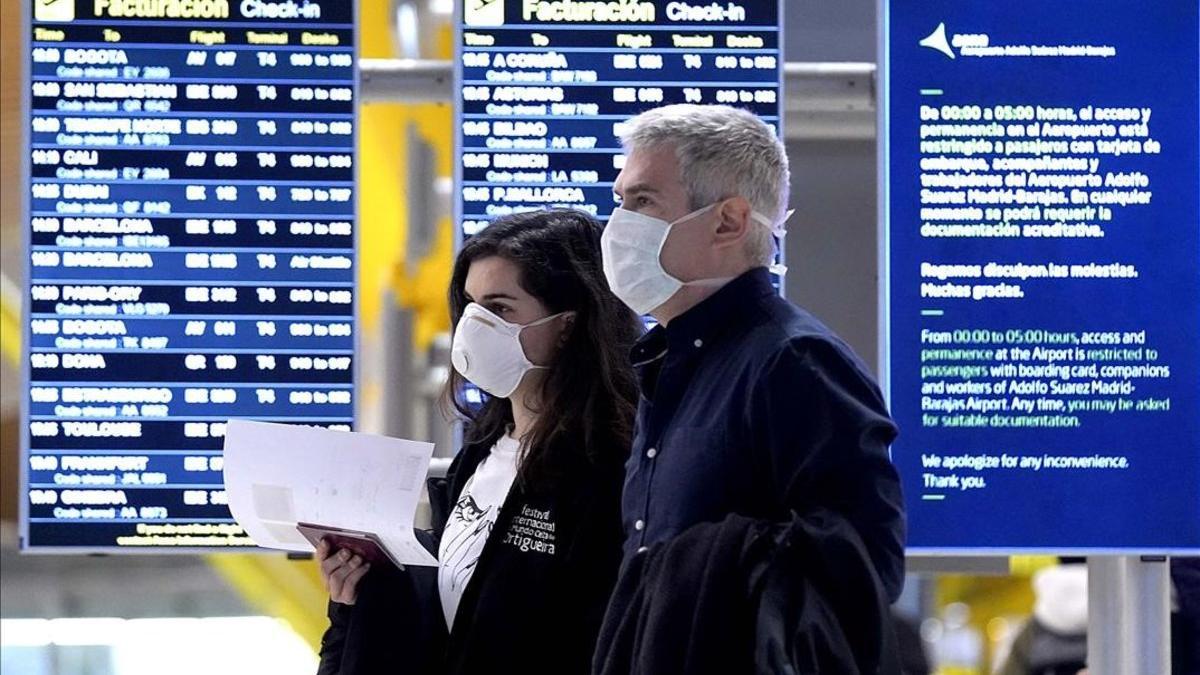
(543, 87)
(1042, 269)
(191, 213)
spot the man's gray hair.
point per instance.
(722, 152)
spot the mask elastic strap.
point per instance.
(778, 228)
(714, 282)
(779, 232)
(545, 320)
(667, 232)
(693, 214)
(534, 324)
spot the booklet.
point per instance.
(289, 485)
(364, 544)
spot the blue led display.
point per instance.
(543, 86)
(1041, 305)
(190, 238)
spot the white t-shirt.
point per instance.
(472, 520)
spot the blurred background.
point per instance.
(238, 613)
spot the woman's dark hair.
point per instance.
(588, 395)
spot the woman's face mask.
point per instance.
(487, 350)
(632, 246)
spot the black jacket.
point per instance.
(795, 598)
(527, 609)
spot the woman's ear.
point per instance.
(565, 333)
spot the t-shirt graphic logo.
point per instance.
(54, 10)
(484, 12)
(470, 529)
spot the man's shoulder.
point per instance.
(796, 350)
(789, 331)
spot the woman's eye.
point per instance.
(498, 310)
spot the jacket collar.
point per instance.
(705, 323)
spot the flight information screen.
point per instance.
(543, 86)
(191, 210)
(1042, 269)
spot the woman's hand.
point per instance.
(341, 571)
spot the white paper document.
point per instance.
(277, 475)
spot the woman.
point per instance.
(527, 521)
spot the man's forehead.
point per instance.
(649, 170)
(656, 157)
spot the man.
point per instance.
(760, 461)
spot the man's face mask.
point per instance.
(632, 246)
(487, 350)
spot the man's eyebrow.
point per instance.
(640, 187)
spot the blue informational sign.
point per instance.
(190, 233)
(1040, 214)
(543, 85)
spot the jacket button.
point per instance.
(698, 343)
(642, 549)
(651, 453)
(639, 525)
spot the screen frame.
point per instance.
(883, 179)
(25, 68)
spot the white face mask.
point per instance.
(632, 246)
(487, 350)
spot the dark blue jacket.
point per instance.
(751, 406)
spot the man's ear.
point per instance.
(733, 222)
